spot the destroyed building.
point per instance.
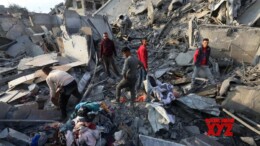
(166, 111)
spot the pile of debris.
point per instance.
(166, 111)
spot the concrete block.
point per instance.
(15, 137)
(185, 59)
(16, 31)
(4, 109)
(200, 140)
(150, 141)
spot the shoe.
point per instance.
(116, 101)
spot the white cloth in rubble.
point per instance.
(158, 117)
(69, 138)
(88, 136)
(164, 93)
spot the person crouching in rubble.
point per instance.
(64, 83)
(200, 60)
(129, 73)
(124, 23)
(106, 54)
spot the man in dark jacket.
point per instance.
(129, 74)
(201, 60)
(106, 54)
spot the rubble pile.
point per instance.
(167, 109)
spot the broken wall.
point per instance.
(47, 20)
(241, 43)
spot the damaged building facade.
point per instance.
(166, 110)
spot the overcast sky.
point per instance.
(33, 5)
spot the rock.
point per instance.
(185, 59)
(193, 129)
(16, 31)
(172, 55)
(16, 50)
(15, 137)
(249, 140)
(157, 3)
(161, 72)
(139, 8)
(143, 131)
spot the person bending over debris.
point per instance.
(201, 59)
(106, 54)
(64, 83)
(124, 23)
(129, 73)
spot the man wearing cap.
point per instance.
(129, 74)
(106, 54)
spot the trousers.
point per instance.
(109, 60)
(126, 83)
(206, 70)
(68, 90)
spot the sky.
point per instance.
(42, 6)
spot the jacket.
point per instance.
(201, 57)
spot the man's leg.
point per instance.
(194, 75)
(112, 62)
(106, 65)
(209, 75)
(132, 89)
(63, 104)
(122, 84)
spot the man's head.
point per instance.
(46, 70)
(105, 35)
(144, 42)
(126, 52)
(121, 17)
(205, 42)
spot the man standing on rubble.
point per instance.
(142, 54)
(106, 54)
(64, 83)
(129, 73)
(200, 60)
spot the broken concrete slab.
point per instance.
(203, 104)
(251, 15)
(157, 3)
(113, 8)
(150, 13)
(36, 62)
(15, 137)
(192, 129)
(138, 8)
(84, 81)
(161, 72)
(4, 109)
(185, 59)
(244, 100)
(11, 96)
(16, 50)
(200, 140)
(46, 20)
(226, 83)
(16, 31)
(6, 43)
(228, 41)
(150, 141)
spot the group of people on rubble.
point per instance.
(63, 83)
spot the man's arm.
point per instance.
(125, 68)
(114, 48)
(101, 49)
(51, 87)
(145, 56)
(195, 56)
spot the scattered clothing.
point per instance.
(164, 93)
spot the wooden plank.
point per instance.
(13, 95)
(39, 76)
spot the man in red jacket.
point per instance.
(143, 57)
(106, 54)
(201, 60)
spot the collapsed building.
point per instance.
(68, 39)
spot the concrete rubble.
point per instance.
(166, 112)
